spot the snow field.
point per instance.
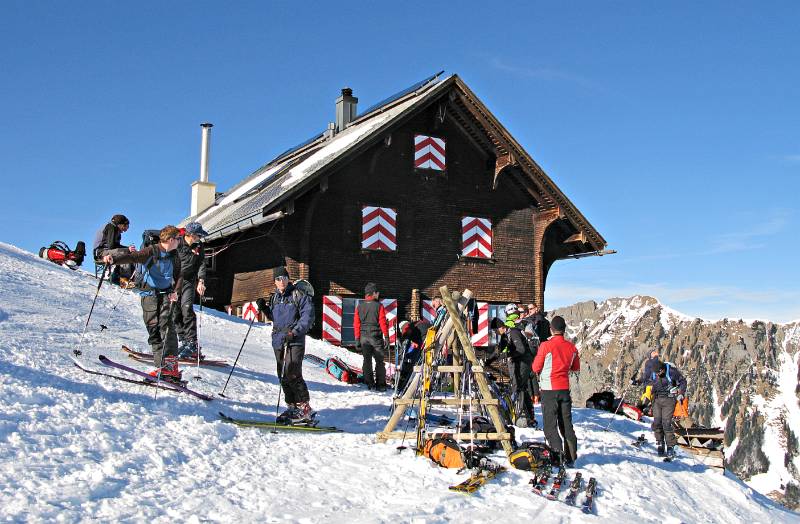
(77, 447)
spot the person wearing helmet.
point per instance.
(512, 315)
(410, 344)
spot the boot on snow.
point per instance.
(169, 371)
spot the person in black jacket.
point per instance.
(193, 271)
(410, 344)
(668, 387)
(513, 344)
(108, 241)
(372, 336)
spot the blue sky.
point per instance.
(674, 128)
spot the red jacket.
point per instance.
(555, 359)
(370, 317)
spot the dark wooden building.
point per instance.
(426, 188)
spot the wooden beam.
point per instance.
(450, 401)
(384, 435)
(502, 162)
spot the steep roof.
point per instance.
(257, 198)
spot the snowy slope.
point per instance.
(77, 447)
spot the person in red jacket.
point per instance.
(372, 336)
(555, 359)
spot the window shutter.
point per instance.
(429, 153)
(332, 319)
(476, 237)
(378, 228)
(481, 337)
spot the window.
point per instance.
(429, 153)
(378, 228)
(476, 237)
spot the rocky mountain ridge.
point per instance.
(742, 376)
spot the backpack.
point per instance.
(532, 455)
(336, 368)
(301, 287)
(445, 452)
(480, 424)
(603, 400)
(149, 238)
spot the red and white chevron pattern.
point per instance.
(250, 311)
(429, 153)
(378, 228)
(332, 319)
(481, 337)
(428, 313)
(390, 305)
(476, 237)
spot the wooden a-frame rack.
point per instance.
(454, 336)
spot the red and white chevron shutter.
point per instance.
(428, 313)
(390, 305)
(429, 153)
(250, 311)
(332, 319)
(378, 228)
(476, 237)
(481, 337)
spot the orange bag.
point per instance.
(445, 452)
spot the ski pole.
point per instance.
(77, 352)
(197, 369)
(280, 378)
(222, 393)
(122, 293)
(621, 400)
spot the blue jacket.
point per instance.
(286, 316)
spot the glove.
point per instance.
(358, 345)
(385, 341)
(673, 391)
(262, 305)
(290, 336)
(635, 382)
(680, 397)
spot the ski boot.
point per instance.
(304, 414)
(671, 453)
(660, 450)
(288, 414)
(169, 372)
(189, 352)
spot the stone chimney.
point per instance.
(345, 109)
(203, 191)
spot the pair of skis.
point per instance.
(144, 378)
(148, 358)
(541, 479)
(272, 425)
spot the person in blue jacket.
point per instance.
(668, 388)
(292, 314)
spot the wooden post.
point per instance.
(480, 378)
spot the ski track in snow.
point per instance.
(77, 447)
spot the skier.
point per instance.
(556, 358)
(372, 336)
(646, 400)
(512, 315)
(668, 387)
(512, 343)
(193, 271)
(410, 342)
(537, 322)
(108, 241)
(292, 314)
(160, 276)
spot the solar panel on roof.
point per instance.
(298, 146)
(400, 94)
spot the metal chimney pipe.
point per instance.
(206, 132)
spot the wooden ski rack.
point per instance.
(453, 335)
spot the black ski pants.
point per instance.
(157, 313)
(520, 373)
(185, 318)
(294, 386)
(557, 415)
(663, 410)
(372, 349)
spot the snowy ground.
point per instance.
(77, 447)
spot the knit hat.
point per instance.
(403, 326)
(370, 288)
(279, 271)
